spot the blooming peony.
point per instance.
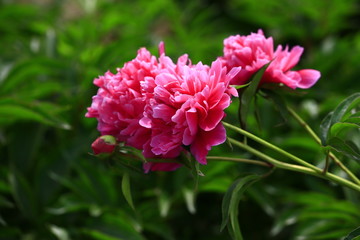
(159, 106)
(119, 103)
(254, 51)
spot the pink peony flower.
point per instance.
(120, 101)
(254, 51)
(159, 107)
(187, 109)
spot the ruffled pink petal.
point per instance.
(308, 78)
(192, 121)
(205, 140)
(293, 58)
(213, 118)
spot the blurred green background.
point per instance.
(52, 188)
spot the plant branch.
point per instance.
(296, 168)
(318, 140)
(241, 160)
(271, 146)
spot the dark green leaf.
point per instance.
(97, 235)
(279, 102)
(341, 113)
(41, 112)
(325, 127)
(15, 112)
(5, 202)
(354, 120)
(23, 195)
(125, 187)
(339, 127)
(284, 219)
(345, 147)
(249, 93)
(74, 186)
(353, 234)
(344, 107)
(231, 201)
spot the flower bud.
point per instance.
(104, 144)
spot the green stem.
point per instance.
(271, 146)
(304, 125)
(315, 172)
(241, 160)
(318, 140)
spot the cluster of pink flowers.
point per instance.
(161, 107)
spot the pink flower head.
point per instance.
(254, 51)
(120, 101)
(187, 109)
(160, 106)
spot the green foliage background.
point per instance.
(51, 188)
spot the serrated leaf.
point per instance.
(345, 147)
(125, 187)
(231, 202)
(353, 234)
(249, 93)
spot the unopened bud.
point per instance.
(104, 144)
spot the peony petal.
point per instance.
(308, 78)
(205, 140)
(214, 116)
(192, 120)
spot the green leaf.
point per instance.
(164, 203)
(279, 102)
(249, 93)
(339, 127)
(125, 187)
(16, 112)
(190, 197)
(344, 107)
(23, 195)
(97, 235)
(59, 232)
(41, 112)
(325, 127)
(283, 220)
(5, 203)
(347, 148)
(354, 120)
(230, 204)
(341, 113)
(353, 234)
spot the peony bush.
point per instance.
(173, 112)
